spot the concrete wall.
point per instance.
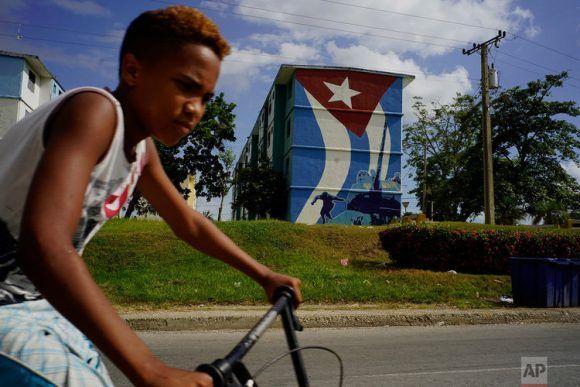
(8, 114)
(31, 95)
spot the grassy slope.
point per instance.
(140, 262)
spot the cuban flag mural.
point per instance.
(346, 147)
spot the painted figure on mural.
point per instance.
(327, 205)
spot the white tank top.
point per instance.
(111, 183)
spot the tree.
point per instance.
(438, 145)
(261, 190)
(227, 158)
(530, 141)
(196, 155)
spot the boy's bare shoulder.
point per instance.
(87, 107)
(87, 117)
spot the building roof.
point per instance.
(287, 70)
(34, 62)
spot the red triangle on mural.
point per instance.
(350, 96)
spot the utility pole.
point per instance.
(489, 204)
(425, 175)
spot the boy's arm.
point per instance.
(201, 233)
(80, 134)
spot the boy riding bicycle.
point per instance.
(65, 168)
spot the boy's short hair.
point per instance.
(164, 30)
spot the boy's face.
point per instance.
(170, 93)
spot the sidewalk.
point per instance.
(329, 316)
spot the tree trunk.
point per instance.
(220, 210)
(132, 203)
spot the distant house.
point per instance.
(335, 134)
(25, 84)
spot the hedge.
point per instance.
(484, 250)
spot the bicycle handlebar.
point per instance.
(229, 371)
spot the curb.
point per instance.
(246, 319)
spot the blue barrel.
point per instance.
(545, 282)
(532, 281)
(574, 282)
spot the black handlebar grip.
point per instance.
(285, 291)
(217, 370)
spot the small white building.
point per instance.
(25, 84)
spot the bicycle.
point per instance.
(231, 372)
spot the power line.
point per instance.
(532, 63)
(339, 21)
(24, 37)
(417, 76)
(452, 22)
(241, 14)
(58, 29)
(409, 15)
(317, 26)
(533, 72)
(546, 47)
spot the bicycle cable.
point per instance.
(283, 355)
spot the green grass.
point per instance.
(141, 263)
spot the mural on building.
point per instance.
(346, 147)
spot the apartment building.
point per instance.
(25, 84)
(335, 134)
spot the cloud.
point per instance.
(439, 88)
(83, 7)
(113, 36)
(573, 169)
(392, 30)
(525, 16)
(299, 52)
(244, 66)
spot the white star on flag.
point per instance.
(342, 93)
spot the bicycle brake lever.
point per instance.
(297, 325)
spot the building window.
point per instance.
(287, 166)
(31, 80)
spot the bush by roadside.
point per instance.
(474, 249)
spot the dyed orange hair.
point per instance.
(155, 32)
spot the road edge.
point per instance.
(236, 319)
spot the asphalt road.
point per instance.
(480, 355)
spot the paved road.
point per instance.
(481, 355)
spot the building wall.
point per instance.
(55, 89)
(23, 89)
(8, 114)
(11, 69)
(336, 136)
(345, 152)
(30, 88)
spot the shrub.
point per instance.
(471, 250)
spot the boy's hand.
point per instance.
(273, 281)
(174, 377)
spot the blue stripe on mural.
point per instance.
(307, 132)
(395, 159)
